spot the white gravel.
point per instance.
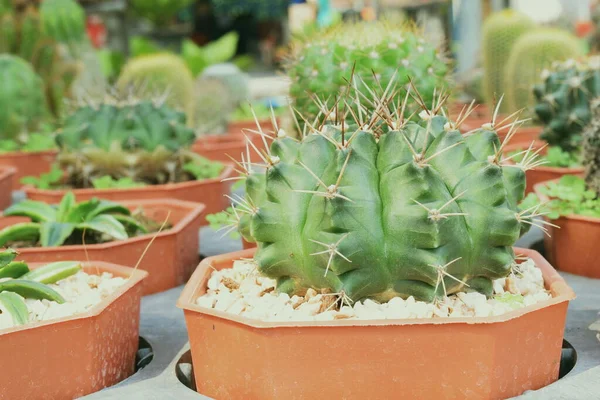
(80, 291)
(241, 290)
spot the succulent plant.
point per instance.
(214, 106)
(63, 21)
(144, 140)
(235, 81)
(166, 73)
(500, 32)
(386, 206)
(591, 149)
(563, 100)
(376, 52)
(19, 283)
(68, 221)
(22, 103)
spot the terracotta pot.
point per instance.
(170, 259)
(210, 192)
(28, 164)
(247, 245)
(541, 173)
(69, 357)
(6, 186)
(573, 247)
(219, 147)
(452, 358)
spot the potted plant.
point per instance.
(6, 186)
(143, 140)
(377, 246)
(112, 232)
(563, 107)
(71, 327)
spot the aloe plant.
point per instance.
(19, 283)
(56, 225)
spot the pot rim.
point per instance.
(134, 276)
(561, 292)
(25, 154)
(193, 211)
(575, 217)
(166, 187)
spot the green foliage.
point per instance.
(259, 9)
(55, 225)
(563, 101)
(513, 300)
(500, 32)
(203, 168)
(22, 102)
(569, 195)
(49, 180)
(328, 212)
(160, 12)
(555, 157)
(531, 54)
(377, 53)
(221, 221)
(263, 112)
(19, 283)
(35, 142)
(107, 182)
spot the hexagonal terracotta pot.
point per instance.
(28, 163)
(210, 192)
(170, 259)
(6, 186)
(541, 173)
(476, 358)
(573, 246)
(69, 357)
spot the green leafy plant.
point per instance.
(48, 180)
(19, 283)
(66, 222)
(555, 157)
(222, 220)
(203, 168)
(33, 143)
(107, 182)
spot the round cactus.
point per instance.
(22, 102)
(533, 52)
(563, 100)
(376, 52)
(213, 106)
(396, 208)
(500, 32)
(157, 74)
(236, 81)
(63, 21)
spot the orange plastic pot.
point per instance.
(6, 186)
(247, 245)
(210, 192)
(458, 358)
(237, 127)
(170, 260)
(69, 357)
(220, 147)
(573, 246)
(28, 163)
(541, 173)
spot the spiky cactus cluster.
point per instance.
(500, 32)
(385, 206)
(376, 52)
(591, 149)
(22, 103)
(534, 52)
(159, 73)
(125, 137)
(563, 100)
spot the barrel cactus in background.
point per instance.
(376, 52)
(534, 52)
(500, 32)
(63, 21)
(236, 81)
(22, 102)
(214, 105)
(328, 214)
(159, 12)
(154, 74)
(591, 149)
(563, 100)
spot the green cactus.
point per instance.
(404, 208)
(236, 81)
(144, 140)
(154, 74)
(591, 149)
(500, 32)
(563, 100)
(213, 106)
(376, 52)
(531, 54)
(63, 21)
(22, 103)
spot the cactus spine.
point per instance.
(563, 100)
(328, 213)
(532, 53)
(591, 149)
(500, 32)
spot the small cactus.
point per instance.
(500, 32)
(236, 81)
(591, 149)
(563, 100)
(531, 54)
(386, 206)
(214, 106)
